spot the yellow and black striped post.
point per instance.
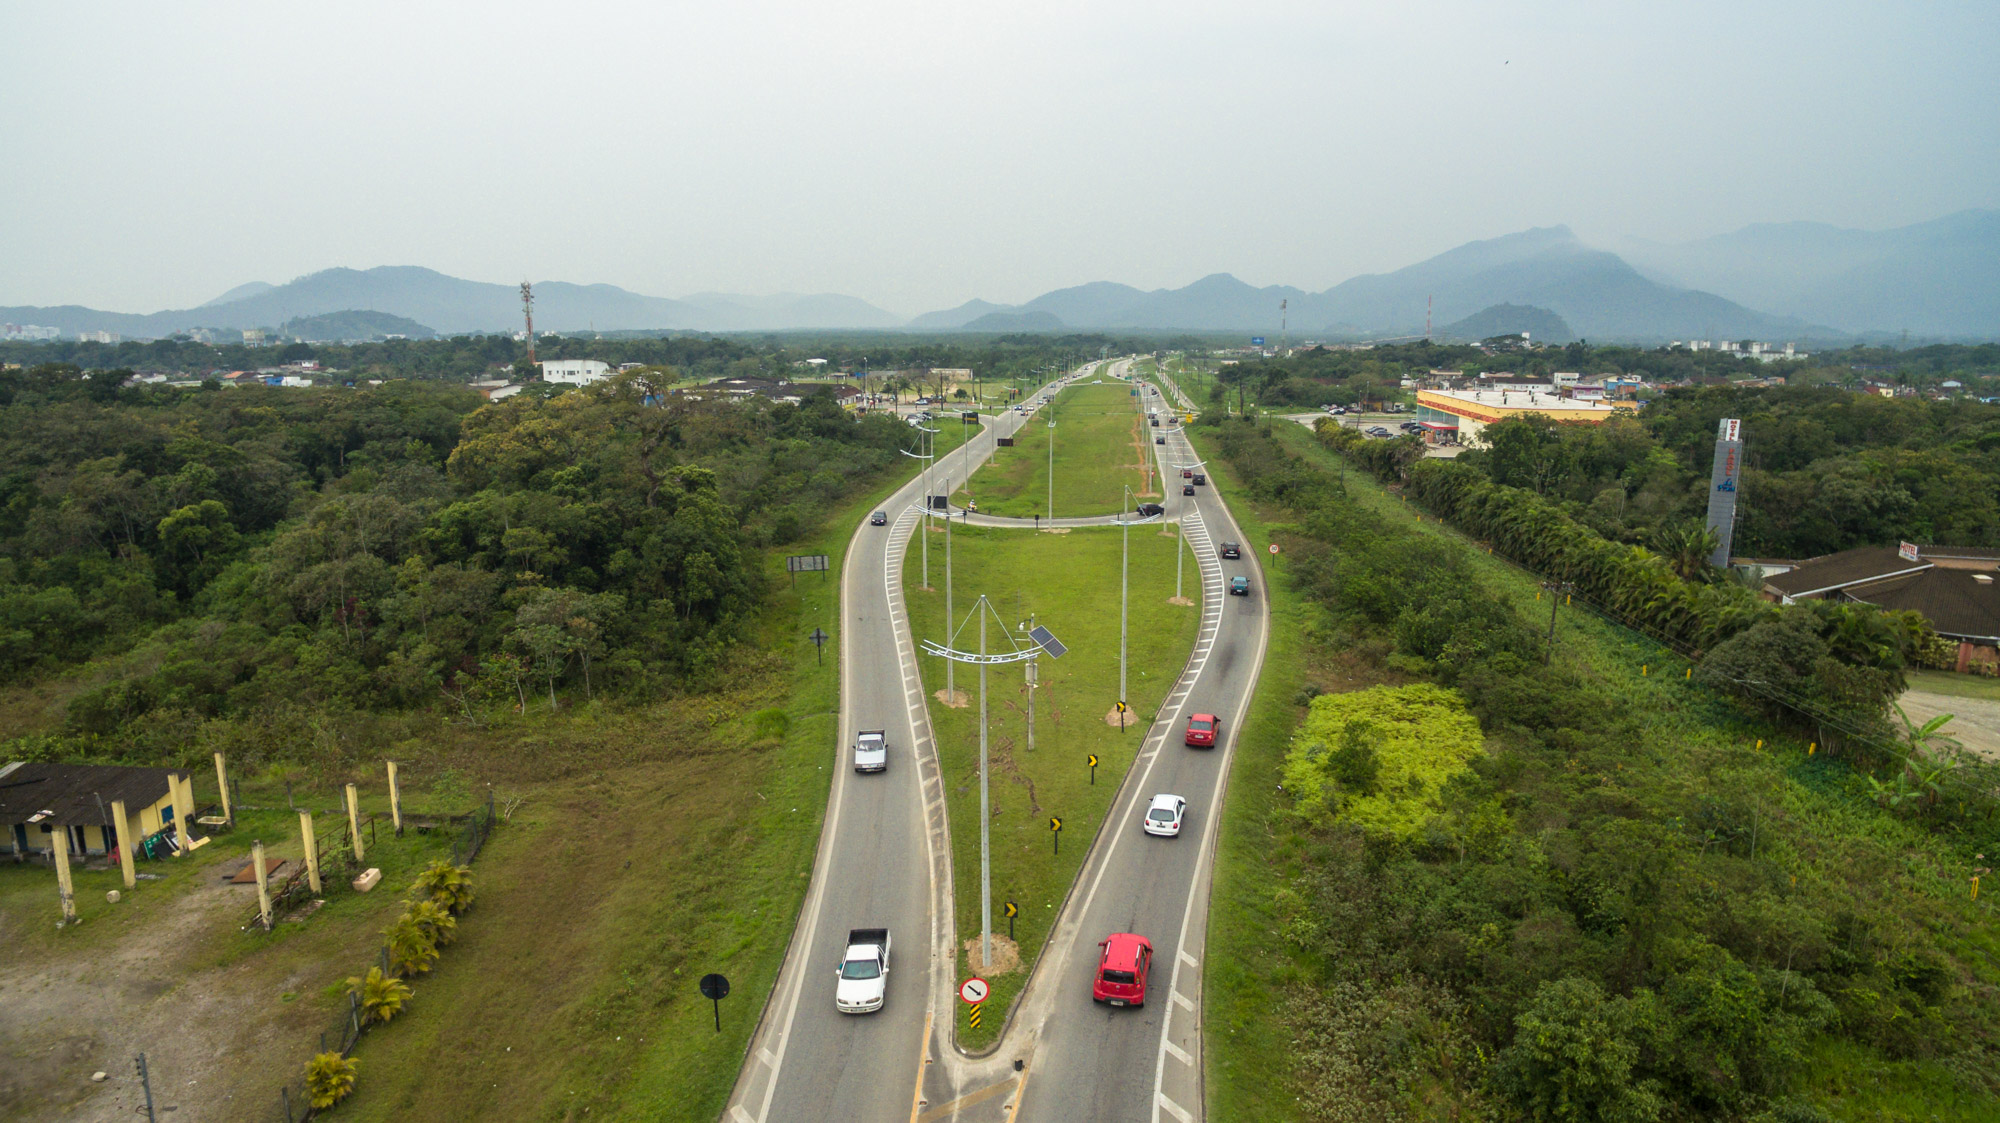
(973, 1016)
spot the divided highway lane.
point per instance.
(882, 860)
(1141, 1066)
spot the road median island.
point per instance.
(1099, 452)
(1069, 584)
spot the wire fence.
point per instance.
(344, 1030)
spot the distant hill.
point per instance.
(955, 319)
(1937, 278)
(353, 324)
(241, 292)
(1542, 325)
(1016, 321)
(453, 305)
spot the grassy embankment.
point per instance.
(1103, 445)
(654, 846)
(1272, 1053)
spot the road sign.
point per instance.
(1256, 341)
(1055, 824)
(1011, 909)
(806, 563)
(819, 639)
(715, 988)
(1093, 760)
(1093, 770)
(1123, 708)
(973, 1017)
(1274, 547)
(974, 990)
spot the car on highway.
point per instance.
(1200, 480)
(1148, 510)
(863, 972)
(871, 750)
(1187, 473)
(1187, 489)
(1231, 550)
(1159, 440)
(1123, 962)
(1376, 431)
(879, 518)
(1164, 816)
(1202, 730)
(1239, 586)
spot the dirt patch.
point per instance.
(1975, 721)
(1116, 720)
(1006, 955)
(956, 699)
(1056, 530)
(1183, 601)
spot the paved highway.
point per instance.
(883, 859)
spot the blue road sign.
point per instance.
(1256, 341)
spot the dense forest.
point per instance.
(183, 556)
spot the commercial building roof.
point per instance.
(1956, 588)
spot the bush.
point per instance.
(382, 996)
(329, 1079)
(1574, 1055)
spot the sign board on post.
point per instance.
(1722, 482)
(973, 990)
(804, 563)
(1907, 551)
(1256, 341)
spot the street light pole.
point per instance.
(1124, 596)
(950, 689)
(985, 817)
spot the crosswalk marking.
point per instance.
(1176, 1110)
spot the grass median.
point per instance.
(1069, 582)
(1103, 445)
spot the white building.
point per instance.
(576, 372)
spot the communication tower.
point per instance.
(528, 314)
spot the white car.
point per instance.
(871, 750)
(1165, 815)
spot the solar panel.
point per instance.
(1048, 642)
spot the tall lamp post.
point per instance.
(1125, 594)
(953, 655)
(923, 528)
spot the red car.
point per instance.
(1122, 966)
(1202, 729)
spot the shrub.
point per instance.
(448, 885)
(329, 1079)
(1573, 1056)
(412, 948)
(382, 996)
(1381, 756)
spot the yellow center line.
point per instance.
(962, 1102)
(923, 1062)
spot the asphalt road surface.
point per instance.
(883, 860)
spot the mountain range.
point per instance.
(1792, 281)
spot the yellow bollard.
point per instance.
(1642, 670)
(1812, 748)
(1689, 675)
(1760, 743)
(1975, 888)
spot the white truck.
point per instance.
(863, 972)
(871, 750)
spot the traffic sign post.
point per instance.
(1012, 910)
(819, 639)
(715, 988)
(974, 990)
(1093, 770)
(1055, 832)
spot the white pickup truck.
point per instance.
(863, 972)
(871, 750)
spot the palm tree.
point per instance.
(1687, 548)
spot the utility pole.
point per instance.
(528, 315)
(1557, 591)
(950, 690)
(1052, 462)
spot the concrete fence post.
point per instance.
(395, 801)
(59, 847)
(263, 884)
(312, 851)
(354, 821)
(182, 790)
(222, 786)
(123, 825)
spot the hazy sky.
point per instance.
(920, 154)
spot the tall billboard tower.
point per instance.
(1723, 480)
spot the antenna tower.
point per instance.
(1284, 319)
(528, 314)
(1428, 301)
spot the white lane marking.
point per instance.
(1182, 999)
(767, 1057)
(1160, 1100)
(1179, 1053)
(737, 1113)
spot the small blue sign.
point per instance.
(1256, 341)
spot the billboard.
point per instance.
(1723, 479)
(1256, 341)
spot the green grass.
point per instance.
(1245, 1046)
(1070, 583)
(1957, 686)
(669, 842)
(1103, 445)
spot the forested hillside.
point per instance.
(177, 560)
